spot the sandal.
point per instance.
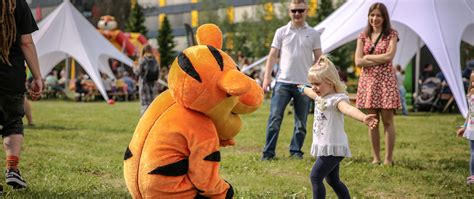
(375, 162)
(389, 164)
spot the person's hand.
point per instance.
(224, 143)
(266, 84)
(36, 88)
(371, 120)
(460, 131)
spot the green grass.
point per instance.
(76, 151)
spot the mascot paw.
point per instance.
(224, 143)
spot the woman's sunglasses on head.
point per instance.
(297, 10)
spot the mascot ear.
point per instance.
(209, 34)
(234, 83)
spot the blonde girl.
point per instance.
(467, 130)
(330, 143)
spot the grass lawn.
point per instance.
(76, 151)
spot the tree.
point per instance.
(252, 41)
(325, 8)
(166, 43)
(211, 12)
(246, 38)
(342, 56)
(136, 20)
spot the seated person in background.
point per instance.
(130, 82)
(62, 79)
(466, 73)
(428, 71)
(445, 98)
(51, 83)
(108, 85)
(79, 86)
(121, 90)
(120, 86)
(89, 86)
(444, 84)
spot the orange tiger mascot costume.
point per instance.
(174, 152)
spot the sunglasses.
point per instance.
(297, 10)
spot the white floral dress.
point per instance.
(329, 137)
(469, 132)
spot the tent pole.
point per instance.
(417, 66)
(68, 70)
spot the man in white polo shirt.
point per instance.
(299, 46)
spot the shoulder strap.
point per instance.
(377, 40)
(375, 44)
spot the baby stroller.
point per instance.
(427, 97)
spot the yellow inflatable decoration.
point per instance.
(174, 152)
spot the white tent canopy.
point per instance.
(440, 24)
(65, 32)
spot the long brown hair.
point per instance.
(147, 50)
(386, 26)
(7, 29)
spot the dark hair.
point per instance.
(7, 29)
(399, 68)
(386, 26)
(147, 49)
(426, 66)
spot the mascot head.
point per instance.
(107, 22)
(205, 79)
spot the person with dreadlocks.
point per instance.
(16, 47)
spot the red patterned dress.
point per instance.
(377, 87)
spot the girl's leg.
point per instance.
(471, 163)
(389, 128)
(374, 136)
(322, 168)
(337, 185)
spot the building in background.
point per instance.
(41, 8)
(181, 12)
(178, 12)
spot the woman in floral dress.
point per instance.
(377, 91)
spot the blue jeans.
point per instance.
(281, 96)
(471, 163)
(327, 167)
(403, 100)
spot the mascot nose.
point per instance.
(251, 100)
(234, 83)
(250, 94)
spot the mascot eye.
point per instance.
(186, 65)
(217, 55)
